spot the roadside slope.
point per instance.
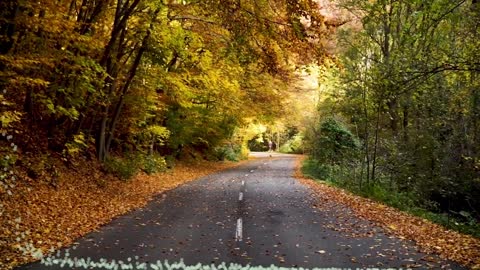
(254, 214)
(82, 200)
(429, 237)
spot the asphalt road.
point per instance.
(255, 214)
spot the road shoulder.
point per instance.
(429, 237)
(53, 217)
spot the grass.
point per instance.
(407, 202)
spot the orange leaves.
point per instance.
(51, 218)
(430, 237)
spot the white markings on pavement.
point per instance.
(238, 232)
(251, 171)
(239, 228)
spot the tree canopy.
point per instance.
(147, 75)
(406, 83)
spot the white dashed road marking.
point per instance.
(240, 196)
(238, 232)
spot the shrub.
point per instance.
(154, 163)
(315, 169)
(232, 152)
(259, 144)
(170, 161)
(335, 143)
(124, 168)
(294, 145)
(76, 145)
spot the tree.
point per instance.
(409, 80)
(109, 71)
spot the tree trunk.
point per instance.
(394, 119)
(28, 103)
(8, 14)
(101, 137)
(375, 147)
(101, 142)
(475, 115)
(109, 62)
(126, 86)
(122, 15)
(405, 124)
(366, 158)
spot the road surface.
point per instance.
(255, 214)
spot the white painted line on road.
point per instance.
(243, 182)
(246, 174)
(238, 232)
(240, 196)
(252, 171)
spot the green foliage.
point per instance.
(8, 118)
(231, 152)
(76, 146)
(154, 163)
(8, 152)
(127, 167)
(406, 83)
(170, 162)
(315, 169)
(332, 143)
(153, 80)
(293, 146)
(258, 144)
(399, 200)
(381, 192)
(124, 168)
(8, 160)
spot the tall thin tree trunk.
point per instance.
(126, 86)
(101, 137)
(375, 147)
(108, 60)
(367, 136)
(405, 124)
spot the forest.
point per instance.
(91, 89)
(399, 110)
(158, 79)
(135, 85)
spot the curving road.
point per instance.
(256, 214)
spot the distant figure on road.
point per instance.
(270, 144)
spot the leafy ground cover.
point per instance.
(47, 216)
(413, 203)
(430, 237)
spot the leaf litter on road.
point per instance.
(79, 204)
(429, 237)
